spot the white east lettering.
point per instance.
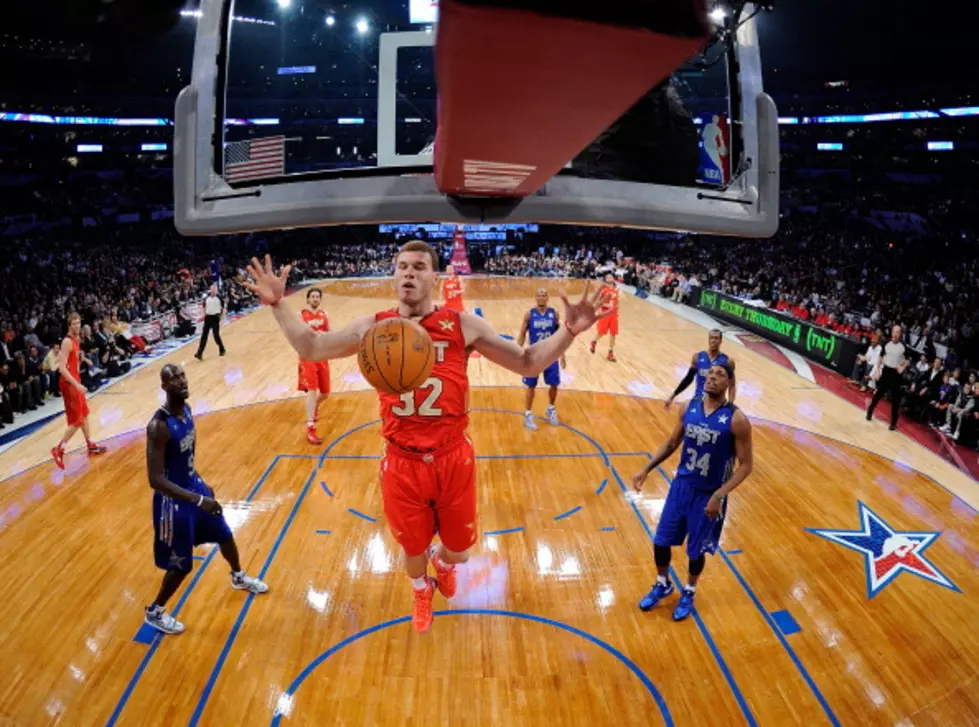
(440, 347)
(702, 434)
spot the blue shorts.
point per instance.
(552, 376)
(683, 517)
(178, 526)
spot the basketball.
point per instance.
(396, 355)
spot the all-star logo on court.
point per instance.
(887, 551)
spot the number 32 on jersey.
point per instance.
(428, 407)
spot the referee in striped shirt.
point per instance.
(888, 374)
(213, 310)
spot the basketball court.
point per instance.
(795, 623)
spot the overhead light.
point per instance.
(330, 20)
(284, 3)
(718, 14)
(362, 25)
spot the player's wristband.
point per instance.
(714, 496)
(568, 329)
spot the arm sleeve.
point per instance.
(687, 380)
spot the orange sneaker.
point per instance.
(611, 357)
(59, 456)
(94, 450)
(312, 437)
(592, 345)
(445, 578)
(421, 615)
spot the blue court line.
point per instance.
(359, 514)
(205, 695)
(701, 626)
(549, 455)
(775, 629)
(625, 660)
(569, 513)
(326, 489)
(786, 624)
(735, 552)
(229, 642)
(322, 532)
(145, 635)
(249, 600)
(504, 532)
(199, 557)
(601, 487)
(781, 637)
(121, 704)
(607, 530)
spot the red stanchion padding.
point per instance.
(521, 94)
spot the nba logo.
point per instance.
(715, 150)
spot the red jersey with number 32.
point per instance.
(611, 293)
(437, 412)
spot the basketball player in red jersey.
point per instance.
(609, 324)
(428, 473)
(314, 376)
(73, 393)
(452, 290)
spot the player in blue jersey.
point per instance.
(185, 512)
(701, 364)
(713, 436)
(541, 322)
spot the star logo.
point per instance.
(447, 325)
(887, 552)
(722, 418)
(176, 561)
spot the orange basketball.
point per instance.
(396, 355)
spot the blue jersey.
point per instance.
(707, 455)
(178, 461)
(541, 325)
(704, 363)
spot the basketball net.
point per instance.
(522, 93)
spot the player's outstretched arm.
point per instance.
(579, 317)
(687, 380)
(741, 428)
(666, 449)
(309, 344)
(157, 436)
(732, 390)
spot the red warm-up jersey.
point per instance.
(612, 300)
(316, 319)
(452, 290)
(436, 413)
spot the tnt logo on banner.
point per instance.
(715, 150)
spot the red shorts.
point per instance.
(314, 376)
(609, 325)
(425, 494)
(76, 406)
(455, 304)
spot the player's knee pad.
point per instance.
(662, 555)
(697, 566)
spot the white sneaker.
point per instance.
(945, 428)
(242, 582)
(159, 619)
(551, 415)
(529, 423)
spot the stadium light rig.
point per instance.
(284, 4)
(362, 25)
(330, 20)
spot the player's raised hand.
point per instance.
(269, 287)
(582, 315)
(638, 480)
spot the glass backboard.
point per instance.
(304, 113)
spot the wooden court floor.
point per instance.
(843, 594)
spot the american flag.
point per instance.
(255, 159)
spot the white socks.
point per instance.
(419, 584)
